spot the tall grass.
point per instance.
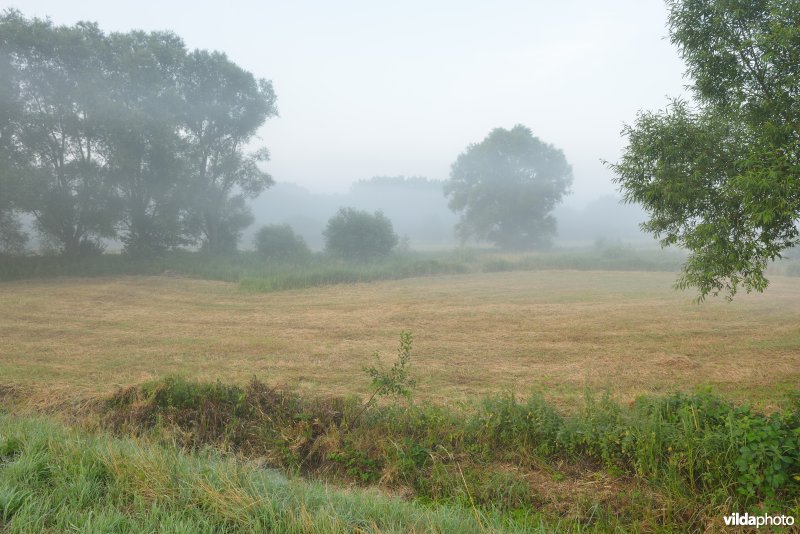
(254, 273)
(57, 480)
(699, 455)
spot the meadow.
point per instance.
(559, 332)
(545, 400)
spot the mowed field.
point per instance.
(559, 332)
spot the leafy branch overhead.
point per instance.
(720, 175)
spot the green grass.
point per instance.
(676, 462)
(203, 457)
(53, 479)
(257, 274)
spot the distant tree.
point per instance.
(506, 187)
(57, 139)
(358, 235)
(279, 242)
(224, 107)
(721, 177)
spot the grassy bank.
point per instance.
(699, 455)
(53, 479)
(673, 463)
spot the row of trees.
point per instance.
(351, 234)
(128, 136)
(132, 136)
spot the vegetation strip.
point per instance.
(53, 479)
(701, 457)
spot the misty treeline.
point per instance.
(126, 136)
(133, 138)
(419, 211)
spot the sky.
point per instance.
(378, 88)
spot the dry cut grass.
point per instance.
(561, 332)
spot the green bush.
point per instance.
(280, 243)
(359, 236)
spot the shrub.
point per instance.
(357, 235)
(279, 242)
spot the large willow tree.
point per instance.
(720, 175)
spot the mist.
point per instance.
(315, 266)
(420, 214)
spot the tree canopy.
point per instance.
(506, 187)
(719, 175)
(358, 235)
(279, 242)
(126, 135)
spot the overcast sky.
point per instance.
(370, 88)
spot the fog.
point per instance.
(375, 89)
(419, 212)
(366, 90)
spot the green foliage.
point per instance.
(768, 458)
(506, 188)
(279, 242)
(12, 238)
(721, 178)
(55, 141)
(696, 442)
(254, 274)
(62, 480)
(357, 464)
(226, 106)
(356, 235)
(695, 449)
(144, 142)
(396, 380)
(127, 136)
(532, 427)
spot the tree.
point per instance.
(358, 235)
(147, 152)
(224, 107)
(279, 242)
(720, 176)
(12, 238)
(125, 136)
(506, 188)
(57, 138)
